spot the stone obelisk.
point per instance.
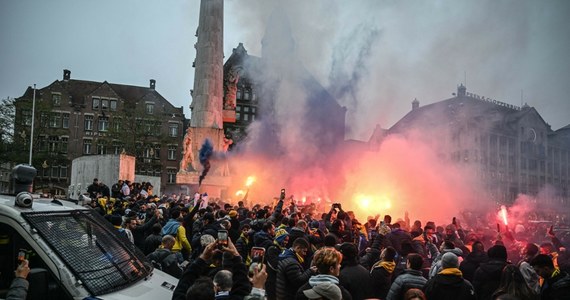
(207, 102)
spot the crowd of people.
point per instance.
(286, 251)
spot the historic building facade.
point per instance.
(74, 118)
(512, 149)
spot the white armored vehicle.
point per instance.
(73, 252)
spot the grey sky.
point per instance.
(393, 51)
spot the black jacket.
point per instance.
(556, 288)
(471, 263)
(290, 275)
(262, 239)
(356, 279)
(167, 261)
(487, 278)
(449, 287)
(381, 281)
(151, 243)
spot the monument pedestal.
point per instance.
(218, 178)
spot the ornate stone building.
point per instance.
(74, 118)
(512, 149)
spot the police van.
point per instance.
(73, 252)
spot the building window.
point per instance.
(64, 142)
(245, 117)
(87, 146)
(238, 94)
(44, 119)
(156, 151)
(63, 172)
(246, 95)
(96, 102)
(26, 117)
(113, 105)
(173, 129)
(101, 148)
(88, 122)
(56, 99)
(65, 120)
(105, 104)
(253, 96)
(52, 143)
(150, 108)
(246, 108)
(42, 143)
(103, 123)
(238, 115)
(55, 120)
(238, 108)
(117, 124)
(116, 147)
(171, 175)
(172, 152)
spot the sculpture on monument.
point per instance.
(186, 164)
(230, 88)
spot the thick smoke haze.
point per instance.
(369, 66)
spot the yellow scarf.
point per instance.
(451, 271)
(299, 258)
(388, 265)
(556, 272)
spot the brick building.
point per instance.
(74, 118)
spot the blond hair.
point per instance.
(326, 258)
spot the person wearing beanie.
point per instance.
(449, 282)
(353, 276)
(488, 276)
(272, 259)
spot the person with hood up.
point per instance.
(488, 276)
(264, 237)
(290, 272)
(353, 276)
(327, 262)
(473, 260)
(447, 246)
(173, 227)
(449, 283)
(382, 271)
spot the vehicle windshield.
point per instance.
(103, 260)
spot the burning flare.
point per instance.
(240, 193)
(250, 180)
(504, 215)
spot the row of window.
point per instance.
(54, 172)
(61, 120)
(104, 104)
(245, 94)
(116, 147)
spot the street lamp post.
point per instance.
(32, 130)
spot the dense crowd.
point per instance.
(286, 251)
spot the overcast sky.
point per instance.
(389, 51)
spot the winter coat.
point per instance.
(272, 263)
(556, 288)
(530, 276)
(290, 275)
(317, 279)
(471, 263)
(381, 276)
(356, 279)
(487, 278)
(18, 289)
(408, 280)
(167, 261)
(449, 285)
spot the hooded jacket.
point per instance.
(381, 276)
(471, 263)
(449, 285)
(487, 278)
(317, 279)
